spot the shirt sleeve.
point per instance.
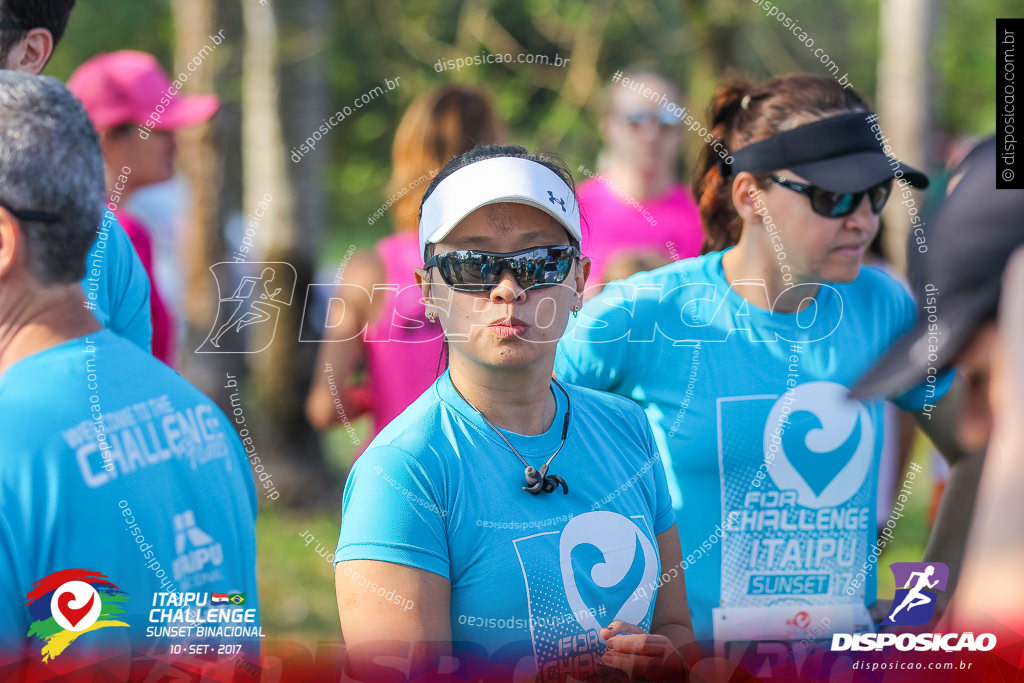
(127, 287)
(391, 511)
(593, 350)
(926, 393)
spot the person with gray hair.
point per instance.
(116, 285)
(100, 435)
(48, 161)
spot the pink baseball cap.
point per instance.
(130, 87)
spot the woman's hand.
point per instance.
(640, 653)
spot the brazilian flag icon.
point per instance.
(237, 598)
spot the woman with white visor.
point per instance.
(519, 523)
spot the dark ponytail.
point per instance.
(721, 223)
(742, 113)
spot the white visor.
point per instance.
(492, 181)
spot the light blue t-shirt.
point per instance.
(111, 462)
(116, 285)
(773, 472)
(532, 576)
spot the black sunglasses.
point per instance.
(36, 216)
(480, 271)
(839, 204)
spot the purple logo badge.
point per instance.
(917, 584)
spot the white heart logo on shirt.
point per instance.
(819, 443)
(615, 536)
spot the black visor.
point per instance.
(841, 154)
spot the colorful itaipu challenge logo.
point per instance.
(68, 603)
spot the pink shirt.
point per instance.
(669, 224)
(163, 321)
(403, 349)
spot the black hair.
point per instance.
(29, 14)
(480, 153)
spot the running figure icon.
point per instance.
(915, 597)
(249, 304)
(255, 302)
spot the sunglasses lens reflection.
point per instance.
(472, 271)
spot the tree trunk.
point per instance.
(906, 28)
(281, 371)
(200, 159)
(707, 66)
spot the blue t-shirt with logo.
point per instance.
(113, 463)
(116, 285)
(772, 470)
(533, 577)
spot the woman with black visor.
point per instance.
(743, 359)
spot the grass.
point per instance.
(297, 600)
(297, 583)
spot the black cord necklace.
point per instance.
(537, 481)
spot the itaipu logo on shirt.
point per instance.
(70, 603)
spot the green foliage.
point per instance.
(548, 107)
(100, 26)
(965, 56)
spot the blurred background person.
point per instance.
(639, 215)
(164, 209)
(991, 591)
(116, 285)
(959, 286)
(135, 109)
(79, 483)
(400, 350)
